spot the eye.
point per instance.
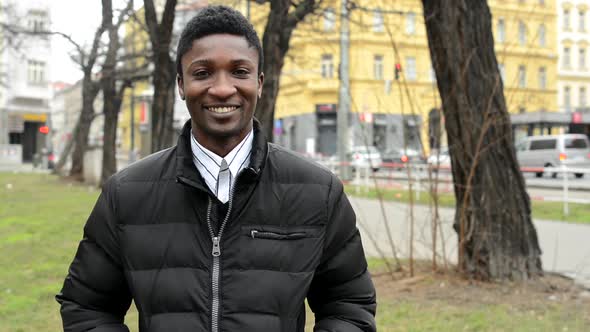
(200, 74)
(241, 72)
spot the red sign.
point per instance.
(576, 117)
(44, 130)
(143, 114)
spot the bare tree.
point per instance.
(90, 88)
(164, 74)
(283, 17)
(112, 95)
(497, 239)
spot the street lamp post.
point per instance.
(132, 156)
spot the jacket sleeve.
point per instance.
(95, 296)
(342, 294)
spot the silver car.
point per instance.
(365, 157)
(571, 150)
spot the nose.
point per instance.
(223, 87)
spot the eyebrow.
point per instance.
(207, 62)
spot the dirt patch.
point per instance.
(451, 288)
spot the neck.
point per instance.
(221, 146)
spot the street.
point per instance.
(565, 246)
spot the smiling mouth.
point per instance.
(221, 109)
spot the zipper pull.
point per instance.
(216, 247)
(253, 233)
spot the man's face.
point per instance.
(221, 85)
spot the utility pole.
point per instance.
(344, 96)
(132, 156)
(248, 9)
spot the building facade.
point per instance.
(573, 22)
(25, 71)
(394, 97)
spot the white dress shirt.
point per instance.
(208, 163)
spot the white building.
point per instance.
(24, 64)
(574, 58)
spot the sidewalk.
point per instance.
(565, 246)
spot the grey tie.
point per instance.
(223, 182)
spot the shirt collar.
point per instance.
(207, 162)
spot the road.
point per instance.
(545, 188)
(565, 246)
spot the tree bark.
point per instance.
(164, 75)
(275, 43)
(90, 89)
(112, 97)
(497, 239)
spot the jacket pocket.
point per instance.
(265, 232)
(256, 234)
(280, 248)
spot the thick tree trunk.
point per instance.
(275, 43)
(89, 92)
(112, 97)
(163, 103)
(164, 75)
(109, 147)
(497, 239)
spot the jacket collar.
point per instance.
(188, 173)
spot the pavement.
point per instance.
(565, 246)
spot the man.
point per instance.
(224, 231)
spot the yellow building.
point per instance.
(383, 34)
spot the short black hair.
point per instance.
(213, 20)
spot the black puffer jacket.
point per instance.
(291, 234)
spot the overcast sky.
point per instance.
(79, 19)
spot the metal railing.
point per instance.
(419, 176)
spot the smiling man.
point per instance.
(224, 231)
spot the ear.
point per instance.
(260, 84)
(180, 83)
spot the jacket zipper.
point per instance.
(216, 253)
(216, 250)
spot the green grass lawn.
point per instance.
(578, 213)
(41, 221)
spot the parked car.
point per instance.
(439, 159)
(365, 156)
(400, 157)
(572, 150)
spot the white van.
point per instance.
(572, 150)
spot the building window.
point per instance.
(378, 20)
(566, 57)
(542, 37)
(502, 71)
(36, 72)
(521, 33)
(327, 66)
(582, 97)
(501, 31)
(378, 67)
(566, 19)
(329, 19)
(410, 23)
(37, 21)
(582, 25)
(521, 76)
(567, 98)
(411, 74)
(582, 58)
(542, 78)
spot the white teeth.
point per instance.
(222, 109)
